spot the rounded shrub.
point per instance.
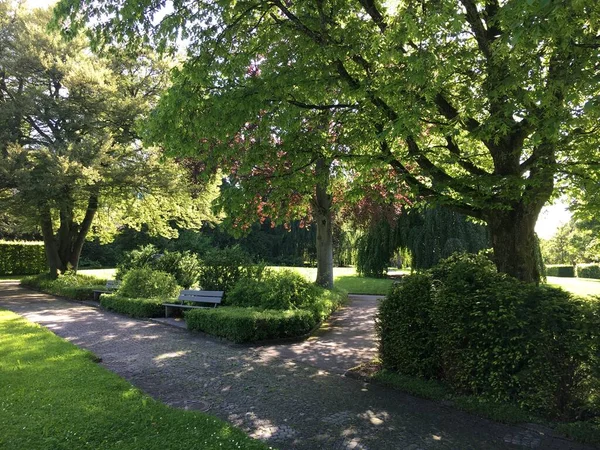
(488, 334)
(148, 283)
(222, 269)
(405, 325)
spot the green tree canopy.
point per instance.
(70, 150)
(477, 104)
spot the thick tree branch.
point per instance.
(453, 147)
(373, 12)
(477, 27)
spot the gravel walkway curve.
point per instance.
(289, 404)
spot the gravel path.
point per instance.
(289, 404)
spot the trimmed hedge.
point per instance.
(22, 258)
(70, 285)
(250, 324)
(588, 271)
(487, 334)
(134, 307)
(558, 270)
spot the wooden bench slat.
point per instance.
(213, 298)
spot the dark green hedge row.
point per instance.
(134, 307)
(22, 258)
(560, 271)
(75, 287)
(487, 334)
(579, 271)
(588, 271)
(250, 324)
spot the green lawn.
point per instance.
(578, 286)
(54, 396)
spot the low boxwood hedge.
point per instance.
(250, 324)
(134, 307)
(72, 286)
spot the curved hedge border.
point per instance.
(22, 258)
(141, 308)
(75, 287)
(250, 324)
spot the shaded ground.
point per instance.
(347, 340)
(287, 403)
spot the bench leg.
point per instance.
(168, 311)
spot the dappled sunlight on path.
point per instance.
(299, 402)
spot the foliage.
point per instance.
(285, 290)
(83, 392)
(71, 286)
(22, 258)
(487, 334)
(71, 153)
(433, 234)
(574, 242)
(375, 250)
(222, 269)
(145, 282)
(558, 270)
(250, 324)
(588, 271)
(134, 307)
(477, 122)
(184, 266)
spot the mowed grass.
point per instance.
(583, 287)
(347, 279)
(54, 396)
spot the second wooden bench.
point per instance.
(193, 298)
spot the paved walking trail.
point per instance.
(292, 397)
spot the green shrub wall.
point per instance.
(134, 307)
(588, 271)
(487, 334)
(22, 258)
(250, 324)
(557, 270)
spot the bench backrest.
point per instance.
(192, 295)
(112, 285)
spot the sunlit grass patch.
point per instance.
(54, 396)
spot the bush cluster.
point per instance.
(70, 285)
(250, 324)
(145, 282)
(285, 290)
(134, 307)
(558, 270)
(184, 266)
(22, 258)
(487, 334)
(222, 269)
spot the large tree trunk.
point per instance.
(514, 242)
(64, 249)
(322, 215)
(50, 244)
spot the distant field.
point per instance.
(578, 286)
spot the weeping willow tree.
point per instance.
(435, 233)
(429, 235)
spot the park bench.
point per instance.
(193, 298)
(111, 286)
